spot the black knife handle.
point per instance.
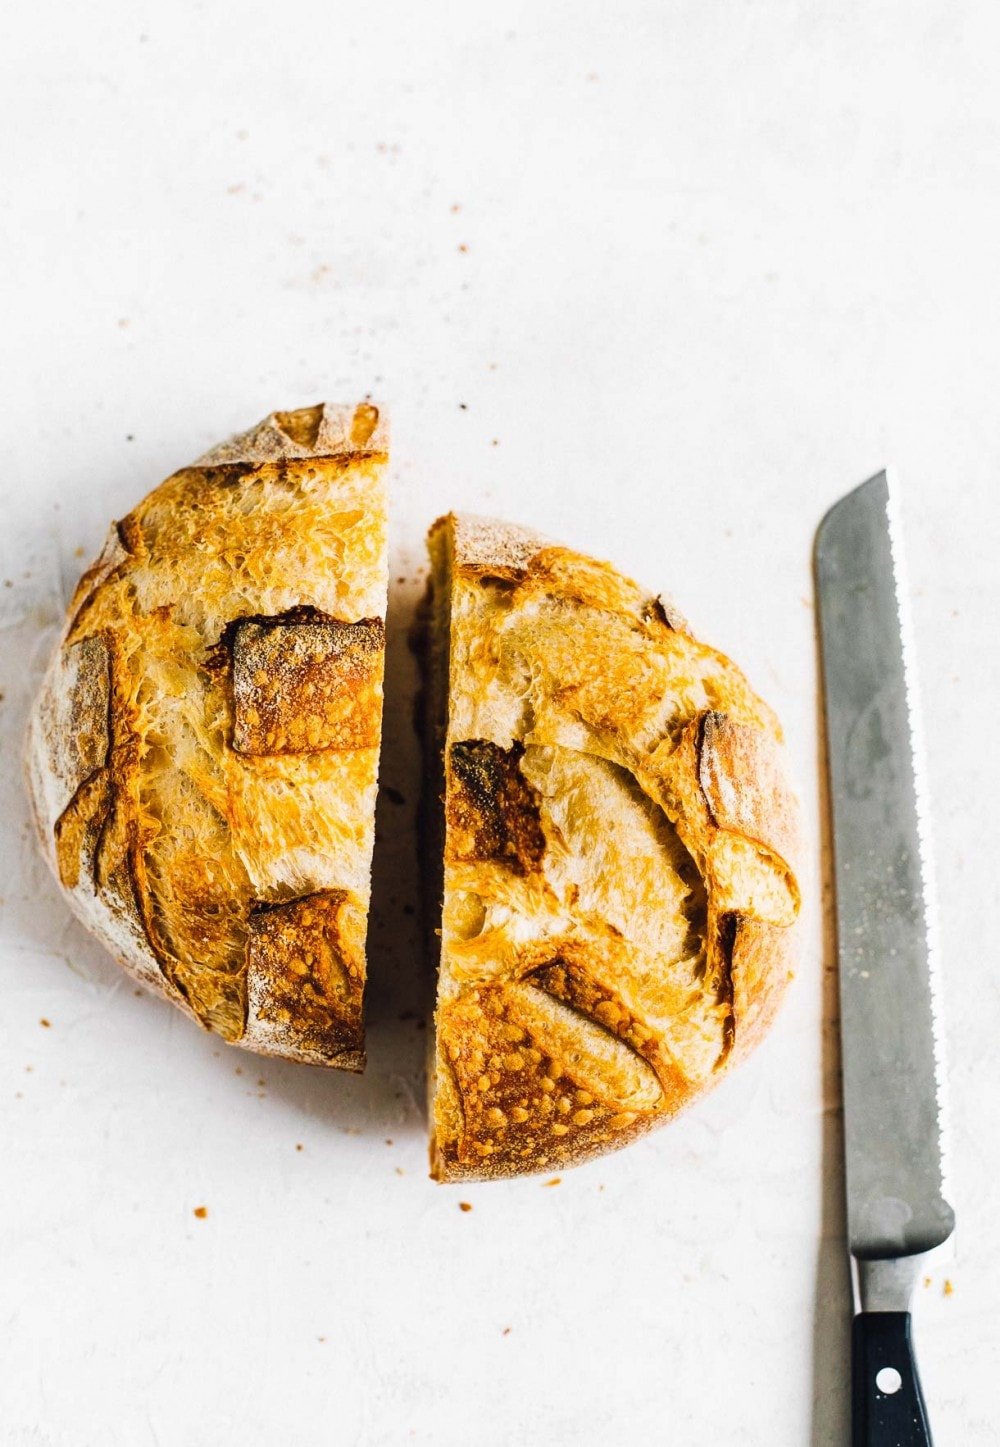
(882, 1417)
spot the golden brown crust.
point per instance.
(596, 980)
(305, 978)
(205, 746)
(492, 810)
(302, 683)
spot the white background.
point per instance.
(662, 280)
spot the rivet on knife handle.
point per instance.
(887, 1408)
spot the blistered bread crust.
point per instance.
(203, 755)
(621, 851)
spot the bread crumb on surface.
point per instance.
(298, 1146)
(47, 1023)
(506, 1331)
(201, 1212)
(465, 1205)
(949, 1289)
(553, 1181)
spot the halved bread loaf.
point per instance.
(203, 757)
(619, 850)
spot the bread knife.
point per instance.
(889, 1024)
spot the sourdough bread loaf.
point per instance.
(618, 850)
(203, 756)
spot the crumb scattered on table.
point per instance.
(949, 1289)
(553, 1181)
(201, 1212)
(47, 1023)
(465, 1205)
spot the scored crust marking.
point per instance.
(665, 611)
(519, 1100)
(492, 809)
(758, 965)
(572, 983)
(744, 784)
(532, 1080)
(78, 829)
(305, 975)
(363, 424)
(303, 682)
(302, 426)
(114, 556)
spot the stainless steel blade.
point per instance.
(892, 1116)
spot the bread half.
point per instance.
(618, 849)
(203, 756)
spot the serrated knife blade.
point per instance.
(890, 1040)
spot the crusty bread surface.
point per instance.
(619, 856)
(203, 755)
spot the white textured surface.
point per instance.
(723, 262)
